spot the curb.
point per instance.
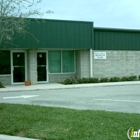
(60, 86)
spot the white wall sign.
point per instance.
(99, 55)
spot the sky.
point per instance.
(104, 13)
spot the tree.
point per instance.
(13, 17)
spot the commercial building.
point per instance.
(56, 49)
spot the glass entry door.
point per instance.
(18, 67)
(41, 66)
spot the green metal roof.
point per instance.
(116, 39)
(55, 34)
(63, 34)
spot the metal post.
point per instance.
(91, 64)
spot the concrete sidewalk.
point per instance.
(61, 86)
(5, 137)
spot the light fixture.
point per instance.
(40, 55)
(18, 55)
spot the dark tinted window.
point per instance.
(5, 67)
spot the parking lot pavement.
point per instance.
(110, 98)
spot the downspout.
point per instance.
(91, 64)
(91, 51)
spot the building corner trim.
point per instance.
(91, 64)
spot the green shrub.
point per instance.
(129, 78)
(139, 77)
(104, 80)
(95, 80)
(83, 80)
(70, 81)
(80, 81)
(114, 79)
(1, 85)
(132, 78)
(88, 80)
(123, 78)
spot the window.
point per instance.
(68, 61)
(55, 61)
(5, 67)
(61, 61)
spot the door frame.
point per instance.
(47, 74)
(12, 78)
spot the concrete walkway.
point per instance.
(55, 86)
(5, 137)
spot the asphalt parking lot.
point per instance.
(110, 98)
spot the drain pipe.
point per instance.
(91, 63)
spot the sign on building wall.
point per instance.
(99, 55)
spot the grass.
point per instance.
(49, 123)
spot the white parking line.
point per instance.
(23, 96)
(113, 100)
